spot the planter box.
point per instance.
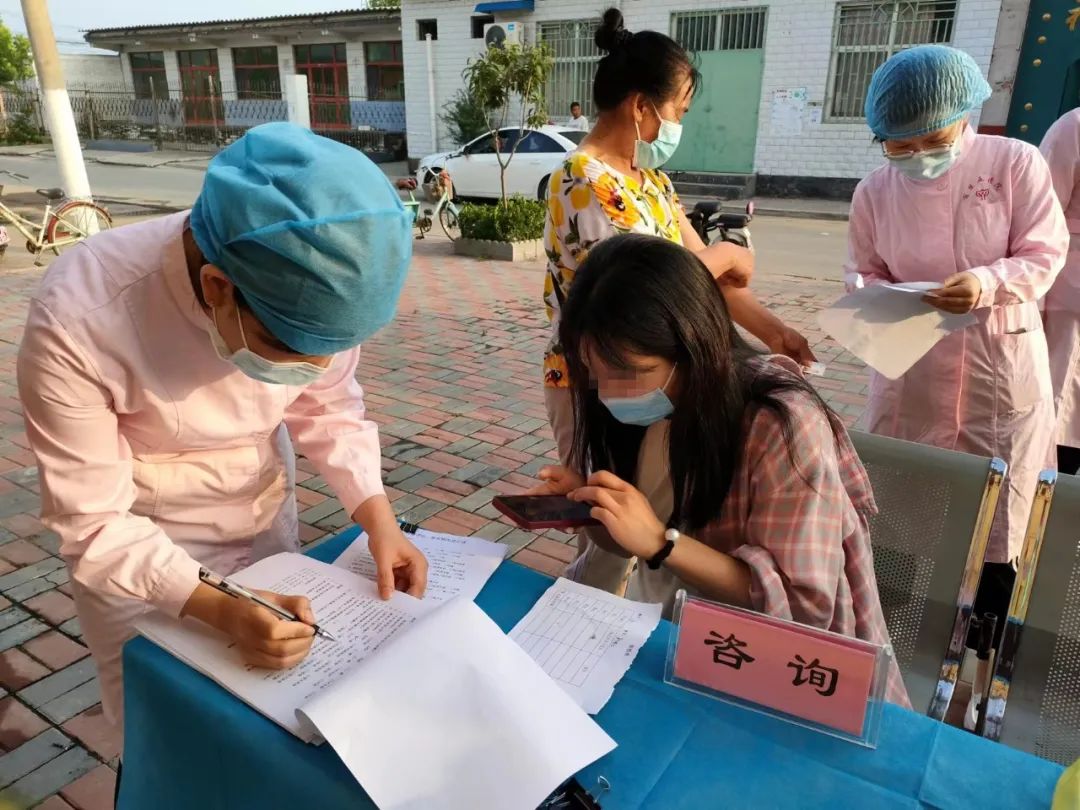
(500, 251)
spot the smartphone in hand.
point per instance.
(532, 512)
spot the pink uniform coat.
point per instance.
(155, 455)
(1061, 148)
(985, 389)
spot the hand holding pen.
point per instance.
(231, 588)
(277, 635)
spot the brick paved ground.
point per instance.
(455, 386)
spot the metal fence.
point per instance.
(22, 107)
(730, 29)
(207, 118)
(574, 49)
(575, 53)
(866, 34)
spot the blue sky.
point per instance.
(69, 17)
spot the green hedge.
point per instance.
(517, 220)
(21, 130)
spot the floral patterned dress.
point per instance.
(589, 201)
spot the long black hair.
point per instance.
(645, 62)
(645, 296)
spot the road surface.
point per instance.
(169, 186)
(807, 248)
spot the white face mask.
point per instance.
(644, 409)
(655, 154)
(928, 165)
(258, 367)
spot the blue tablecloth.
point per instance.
(189, 744)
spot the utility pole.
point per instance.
(58, 115)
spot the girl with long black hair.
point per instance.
(721, 470)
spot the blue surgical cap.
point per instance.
(923, 89)
(311, 233)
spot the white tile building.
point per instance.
(818, 56)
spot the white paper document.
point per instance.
(889, 327)
(916, 287)
(456, 565)
(585, 639)
(453, 715)
(346, 605)
(427, 705)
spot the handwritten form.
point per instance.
(585, 639)
(890, 327)
(456, 565)
(347, 606)
(451, 714)
(427, 705)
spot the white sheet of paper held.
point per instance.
(914, 287)
(456, 565)
(585, 639)
(453, 715)
(890, 328)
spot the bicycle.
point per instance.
(422, 223)
(445, 211)
(67, 224)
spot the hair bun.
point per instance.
(612, 35)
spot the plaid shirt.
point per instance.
(801, 528)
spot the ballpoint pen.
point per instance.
(239, 592)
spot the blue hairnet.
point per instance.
(923, 89)
(310, 231)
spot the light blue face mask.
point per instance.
(642, 410)
(928, 165)
(656, 154)
(258, 367)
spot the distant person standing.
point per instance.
(1061, 148)
(577, 120)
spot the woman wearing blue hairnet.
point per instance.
(166, 365)
(978, 215)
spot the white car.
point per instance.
(474, 168)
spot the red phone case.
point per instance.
(532, 525)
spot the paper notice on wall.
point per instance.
(813, 115)
(788, 108)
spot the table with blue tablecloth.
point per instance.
(189, 744)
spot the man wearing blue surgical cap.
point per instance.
(168, 367)
(976, 216)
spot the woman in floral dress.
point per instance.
(612, 185)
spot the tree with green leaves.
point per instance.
(16, 63)
(508, 80)
(384, 5)
(464, 118)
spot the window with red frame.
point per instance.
(385, 71)
(327, 73)
(148, 74)
(257, 74)
(200, 87)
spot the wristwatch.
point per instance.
(671, 536)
